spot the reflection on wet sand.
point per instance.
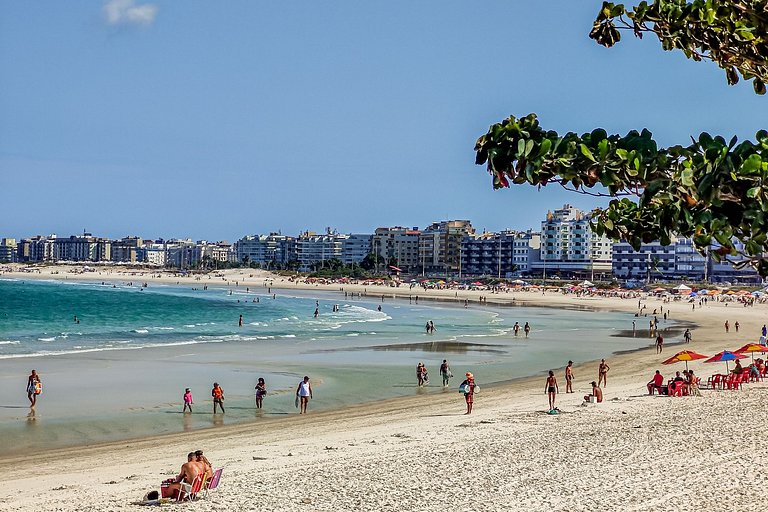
(451, 347)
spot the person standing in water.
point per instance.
(261, 390)
(527, 329)
(240, 322)
(551, 389)
(218, 397)
(304, 393)
(34, 387)
(445, 372)
(187, 400)
(516, 328)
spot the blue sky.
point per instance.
(214, 120)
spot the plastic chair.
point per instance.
(715, 381)
(213, 483)
(676, 388)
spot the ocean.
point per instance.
(116, 358)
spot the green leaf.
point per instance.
(586, 152)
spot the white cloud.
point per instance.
(126, 12)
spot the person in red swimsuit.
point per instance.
(469, 391)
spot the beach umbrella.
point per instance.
(726, 356)
(684, 355)
(751, 348)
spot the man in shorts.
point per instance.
(569, 377)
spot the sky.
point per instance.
(214, 120)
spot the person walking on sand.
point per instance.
(187, 400)
(218, 397)
(551, 389)
(602, 372)
(687, 335)
(659, 343)
(569, 377)
(445, 372)
(727, 326)
(34, 388)
(304, 393)
(736, 325)
(527, 329)
(261, 390)
(469, 387)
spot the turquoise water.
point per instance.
(120, 372)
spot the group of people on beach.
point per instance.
(303, 395)
(551, 388)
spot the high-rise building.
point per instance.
(356, 248)
(397, 244)
(440, 246)
(499, 254)
(82, 248)
(569, 246)
(312, 248)
(268, 251)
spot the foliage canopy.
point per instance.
(731, 33)
(712, 190)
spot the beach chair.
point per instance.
(213, 483)
(189, 491)
(715, 381)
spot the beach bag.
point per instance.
(464, 388)
(38, 387)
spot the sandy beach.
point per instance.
(633, 451)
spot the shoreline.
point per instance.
(379, 434)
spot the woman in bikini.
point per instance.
(551, 389)
(602, 373)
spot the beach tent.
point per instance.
(587, 284)
(682, 288)
(684, 355)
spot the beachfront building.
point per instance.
(653, 261)
(267, 251)
(7, 250)
(127, 250)
(356, 248)
(36, 248)
(569, 247)
(313, 249)
(440, 247)
(499, 254)
(82, 248)
(153, 253)
(732, 268)
(398, 244)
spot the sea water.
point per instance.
(116, 358)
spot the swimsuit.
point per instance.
(551, 389)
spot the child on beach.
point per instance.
(468, 388)
(187, 400)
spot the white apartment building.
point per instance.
(569, 245)
(312, 248)
(356, 248)
(266, 250)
